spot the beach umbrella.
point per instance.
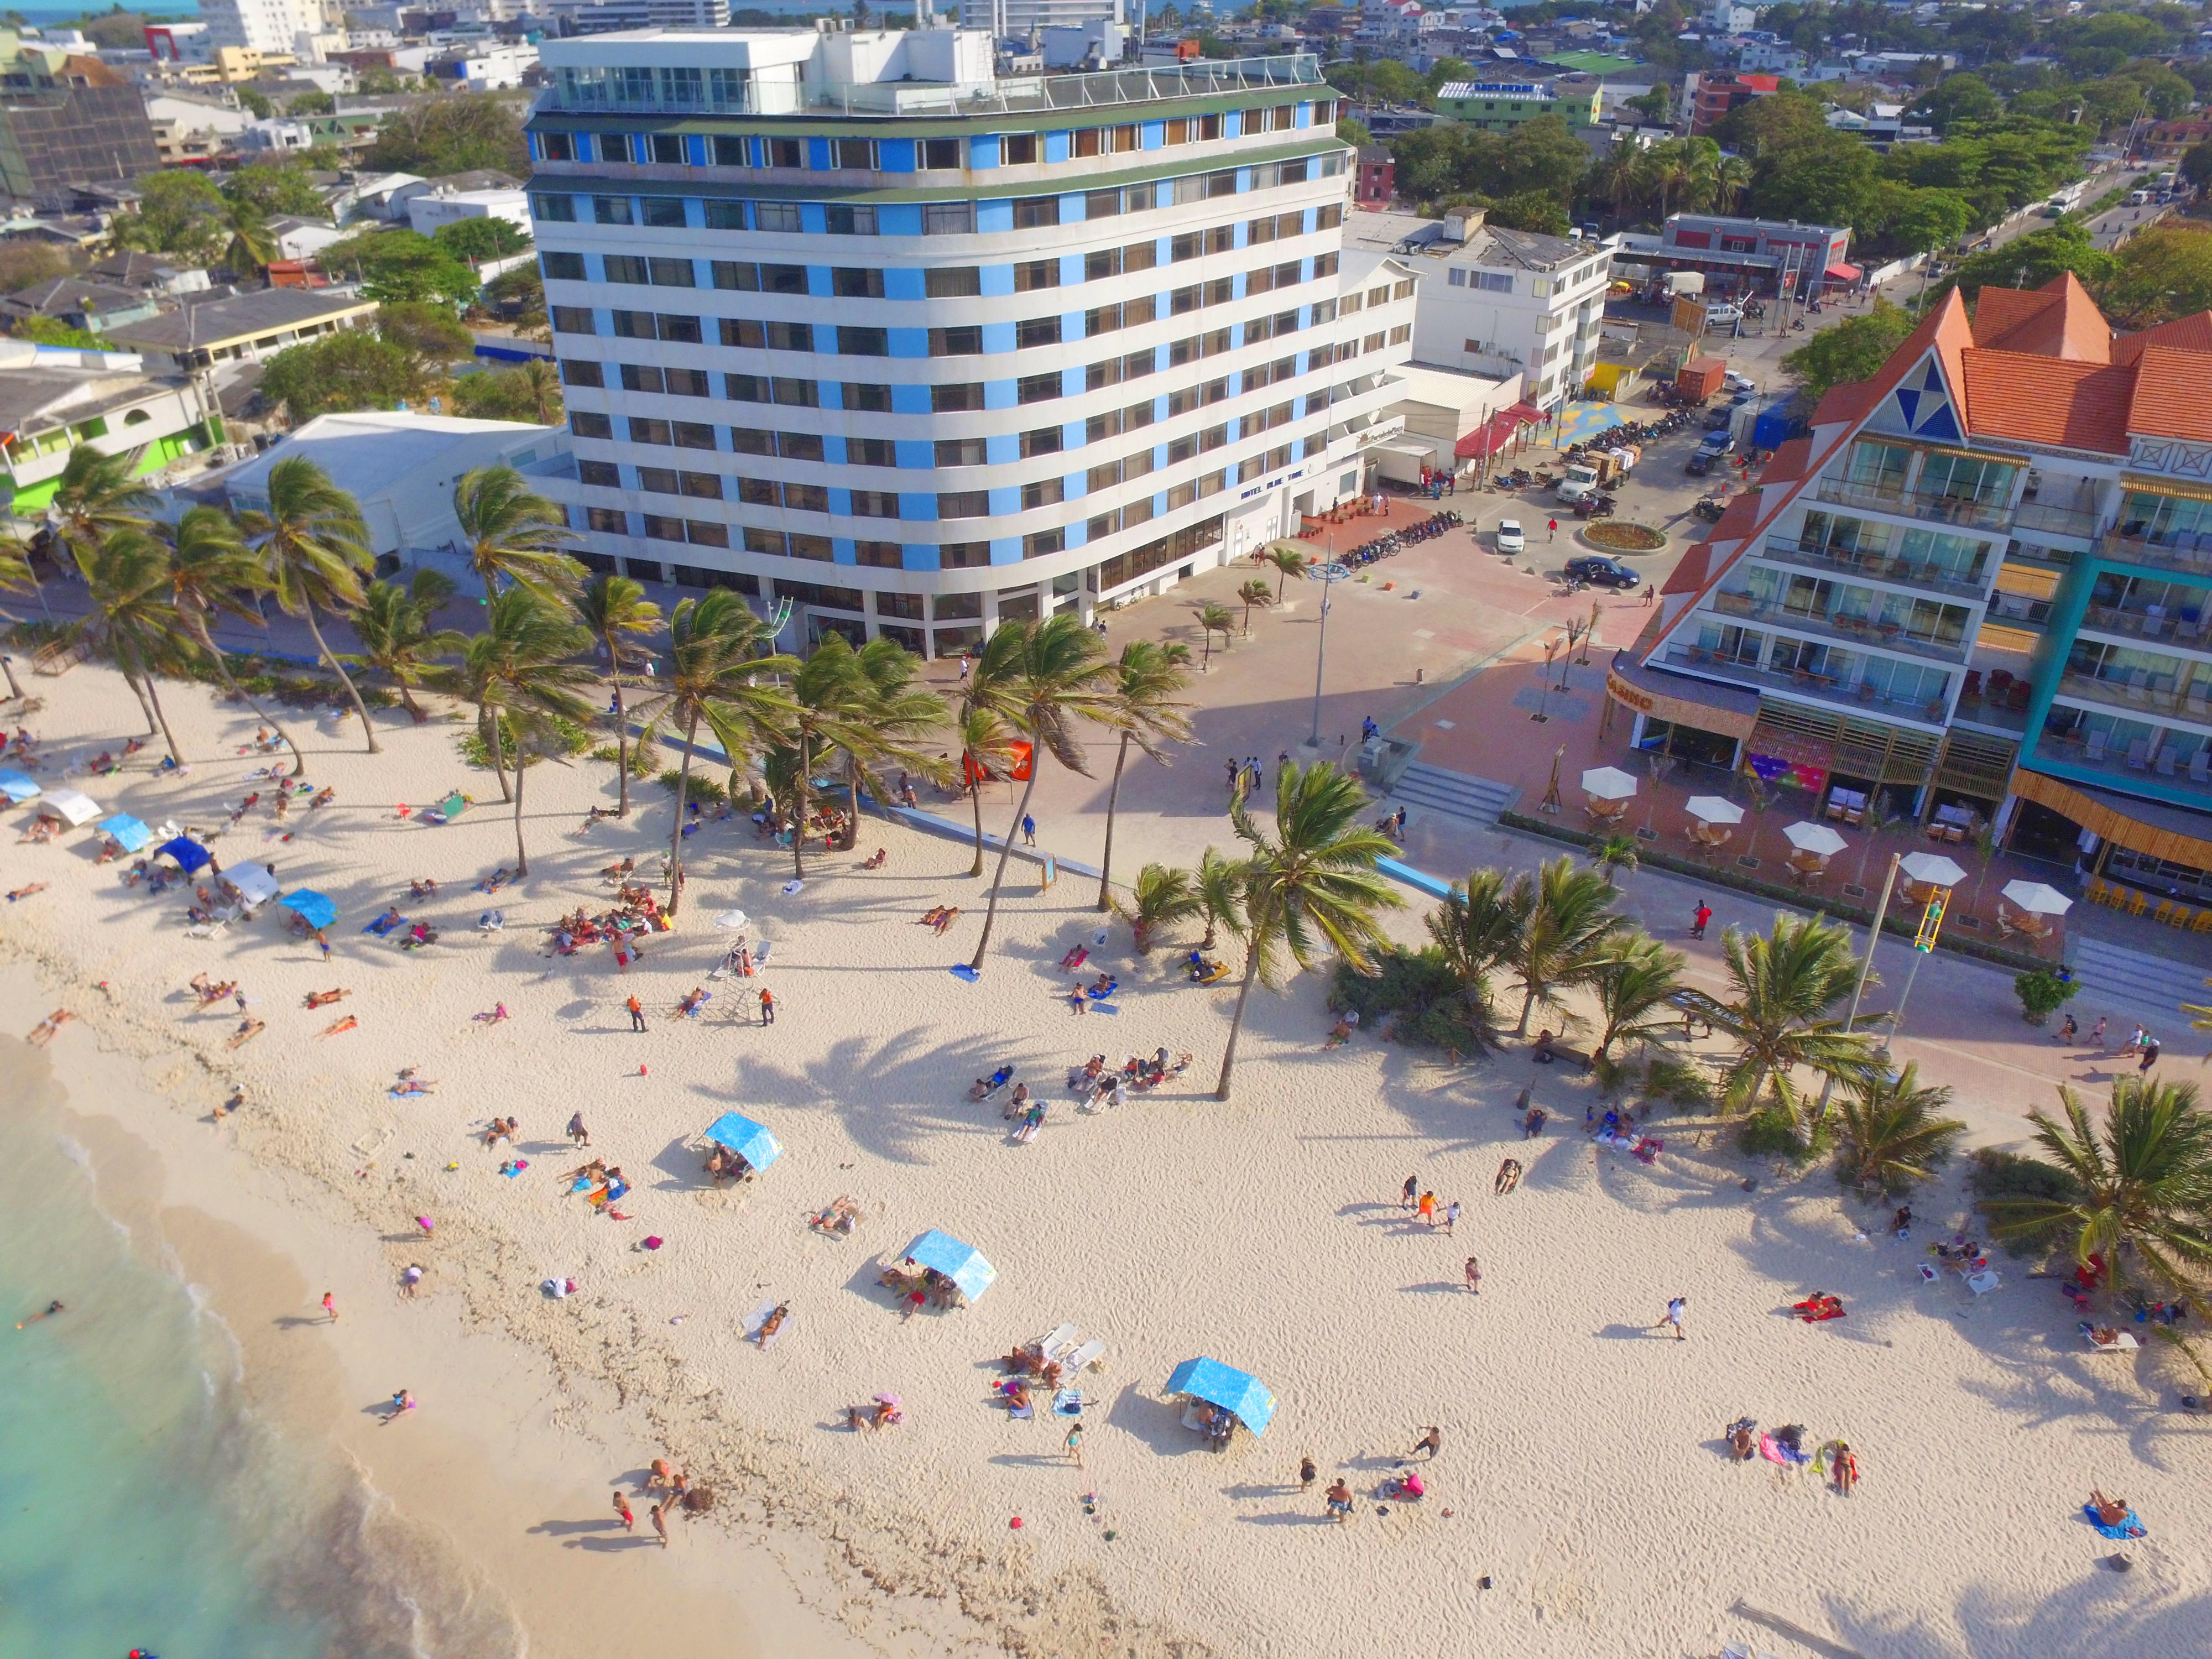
(1712, 809)
(70, 806)
(748, 1139)
(191, 857)
(1933, 868)
(126, 831)
(733, 920)
(17, 788)
(2037, 899)
(254, 884)
(964, 1264)
(1225, 1386)
(1814, 838)
(1607, 783)
(310, 906)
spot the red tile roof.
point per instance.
(2189, 333)
(2059, 319)
(2169, 395)
(2045, 400)
(1689, 575)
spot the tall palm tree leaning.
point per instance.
(1289, 565)
(398, 640)
(1214, 619)
(1785, 983)
(133, 619)
(1635, 992)
(1474, 928)
(212, 571)
(1893, 1133)
(522, 668)
(1145, 710)
(310, 541)
(985, 749)
(1568, 932)
(717, 680)
(1311, 889)
(618, 614)
(95, 497)
(2141, 1183)
(1045, 678)
(899, 715)
(511, 532)
(1254, 592)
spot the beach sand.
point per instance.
(1581, 1474)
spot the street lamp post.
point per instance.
(1328, 574)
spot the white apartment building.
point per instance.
(298, 27)
(1019, 19)
(1493, 301)
(848, 320)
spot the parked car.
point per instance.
(1734, 381)
(1716, 419)
(1700, 464)
(1717, 443)
(1602, 572)
(1510, 538)
(1722, 316)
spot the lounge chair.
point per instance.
(1085, 1357)
(1050, 1345)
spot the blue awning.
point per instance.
(126, 831)
(1223, 1386)
(962, 1264)
(311, 907)
(190, 856)
(749, 1140)
(17, 787)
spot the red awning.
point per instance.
(1526, 412)
(1843, 273)
(1492, 435)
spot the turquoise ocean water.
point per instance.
(142, 1505)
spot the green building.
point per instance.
(1504, 105)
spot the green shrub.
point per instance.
(1432, 1007)
(2041, 993)
(1998, 1174)
(704, 788)
(1770, 1131)
(568, 738)
(1678, 1081)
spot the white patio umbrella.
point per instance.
(2037, 898)
(1608, 783)
(1814, 838)
(70, 806)
(1713, 809)
(733, 920)
(1933, 868)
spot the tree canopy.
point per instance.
(455, 134)
(477, 240)
(352, 369)
(1854, 350)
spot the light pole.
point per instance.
(1923, 945)
(1327, 575)
(1866, 971)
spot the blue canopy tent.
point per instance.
(749, 1140)
(17, 788)
(191, 857)
(310, 906)
(1217, 1384)
(961, 1263)
(126, 831)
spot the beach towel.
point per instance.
(962, 970)
(514, 1169)
(1775, 1452)
(2129, 1527)
(1648, 1149)
(1068, 1402)
(1024, 1412)
(381, 927)
(758, 1317)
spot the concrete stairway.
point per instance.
(2133, 985)
(1455, 794)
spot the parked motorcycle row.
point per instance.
(1383, 546)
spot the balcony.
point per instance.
(2078, 522)
(1822, 688)
(2149, 622)
(2153, 695)
(2160, 554)
(1936, 509)
(1899, 573)
(1851, 630)
(2135, 761)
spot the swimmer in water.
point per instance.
(53, 1308)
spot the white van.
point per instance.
(2138, 198)
(1722, 316)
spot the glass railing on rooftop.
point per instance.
(1915, 504)
(1875, 566)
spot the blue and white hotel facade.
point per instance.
(846, 319)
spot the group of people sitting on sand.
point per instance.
(918, 1287)
(1093, 1080)
(723, 1164)
(1029, 1363)
(211, 992)
(638, 911)
(940, 917)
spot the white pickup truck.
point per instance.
(1578, 480)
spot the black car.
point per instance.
(1602, 572)
(1700, 464)
(1717, 419)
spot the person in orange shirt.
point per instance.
(636, 1014)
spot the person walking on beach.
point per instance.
(2097, 1033)
(660, 1523)
(1407, 1196)
(1339, 1498)
(1427, 1209)
(1306, 1473)
(623, 1508)
(578, 1134)
(1029, 831)
(1432, 1442)
(1473, 1276)
(636, 1014)
(1676, 1308)
(331, 1306)
(1073, 1444)
(767, 1007)
(1451, 1217)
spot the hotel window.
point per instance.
(562, 267)
(798, 394)
(1044, 492)
(963, 504)
(961, 555)
(766, 541)
(871, 452)
(725, 216)
(694, 434)
(733, 152)
(607, 520)
(605, 475)
(937, 154)
(1087, 142)
(807, 498)
(1040, 544)
(887, 555)
(863, 341)
(948, 218)
(1035, 274)
(1038, 388)
(785, 152)
(643, 430)
(954, 396)
(1037, 331)
(857, 283)
(875, 503)
(966, 341)
(700, 533)
(961, 452)
(555, 209)
(853, 154)
(1044, 440)
(1019, 149)
(663, 214)
(799, 445)
(573, 319)
(867, 396)
(581, 371)
(746, 388)
(953, 282)
(775, 215)
(848, 221)
(585, 423)
(611, 209)
(686, 382)
(1105, 204)
(701, 486)
(1035, 212)
(556, 147)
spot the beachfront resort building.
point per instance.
(849, 319)
(1978, 593)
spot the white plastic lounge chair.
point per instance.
(1085, 1357)
(1051, 1345)
(1982, 1283)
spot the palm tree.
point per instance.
(398, 641)
(829, 699)
(1785, 983)
(1254, 592)
(513, 533)
(1310, 889)
(985, 748)
(1668, 168)
(716, 679)
(1614, 853)
(1289, 565)
(1042, 679)
(618, 612)
(2140, 1182)
(1161, 897)
(1214, 619)
(133, 619)
(15, 577)
(1620, 178)
(899, 716)
(1146, 710)
(1219, 883)
(863, 705)
(212, 570)
(1568, 932)
(521, 672)
(310, 543)
(1732, 178)
(1701, 160)
(95, 497)
(252, 245)
(542, 382)
(1890, 1133)
(1477, 922)
(1635, 992)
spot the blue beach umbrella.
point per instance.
(310, 906)
(17, 788)
(1225, 1386)
(191, 857)
(749, 1140)
(126, 831)
(964, 1264)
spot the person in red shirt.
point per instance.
(1703, 914)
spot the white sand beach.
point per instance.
(1581, 1502)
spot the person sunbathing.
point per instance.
(946, 918)
(1743, 1441)
(408, 1087)
(43, 1032)
(887, 1415)
(497, 879)
(109, 852)
(338, 1027)
(1338, 1034)
(26, 893)
(1075, 959)
(324, 998)
(1104, 986)
(1509, 1178)
(984, 1088)
(881, 855)
(617, 871)
(247, 1031)
(2111, 1512)
(421, 888)
(1017, 1394)
(214, 994)
(696, 999)
(772, 1324)
(595, 1170)
(1533, 1125)
(323, 796)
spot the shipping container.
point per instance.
(1700, 378)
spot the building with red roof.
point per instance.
(1979, 592)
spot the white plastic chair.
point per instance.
(1050, 1345)
(1085, 1357)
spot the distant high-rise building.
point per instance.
(1019, 19)
(268, 26)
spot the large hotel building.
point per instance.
(1979, 593)
(850, 320)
